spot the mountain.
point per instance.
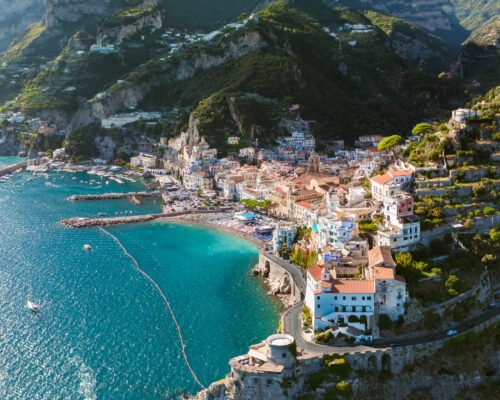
(473, 13)
(352, 71)
(350, 81)
(15, 18)
(433, 16)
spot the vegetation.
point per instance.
(390, 142)
(252, 204)
(472, 15)
(304, 258)
(422, 129)
(306, 317)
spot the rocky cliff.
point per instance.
(15, 16)
(427, 14)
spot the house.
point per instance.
(402, 226)
(333, 301)
(387, 185)
(284, 233)
(337, 302)
(391, 293)
(233, 140)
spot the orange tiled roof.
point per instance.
(315, 272)
(383, 273)
(354, 286)
(381, 255)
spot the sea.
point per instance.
(103, 331)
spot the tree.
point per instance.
(390, 142)
(454, 285)
(384, 322)
(495, 235)
(422, 128)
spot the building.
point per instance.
(144, 160)
(391, 294)
(402, 226)
(336, 302)
(233, 140)
(284, 233)
(387, 185)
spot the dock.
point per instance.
(133, 196)
(9, 169)
(79, 222)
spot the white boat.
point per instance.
(32, 306)
(87, 247)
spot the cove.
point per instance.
(104, 332)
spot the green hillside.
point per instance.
(473, 13)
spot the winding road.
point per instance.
(292, 323)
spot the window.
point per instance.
(318, 297)
(283, 355)
(343, 297)
(362, 298)
(269, 381)
(336, 309)
(319, 306)
(353, 298)
(334, 297)
(369, 298)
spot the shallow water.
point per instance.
(104, 332)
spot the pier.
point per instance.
(9, 169)
(134, 197)
(79, 222)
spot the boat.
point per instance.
(264, 229)
(87, 247)
(32, 306)
(101, 214)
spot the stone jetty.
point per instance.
(8, 169)
(79, 222)
(113, 196)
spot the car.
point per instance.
(452, 332)
(491, 306)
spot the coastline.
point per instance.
(204, 220)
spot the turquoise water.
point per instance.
(104, 332)
(6, 160)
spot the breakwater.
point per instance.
(12, 168)
(79, 222)
(113, 196)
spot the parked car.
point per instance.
(452, 332)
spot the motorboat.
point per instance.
(87, 247)
(32, 306)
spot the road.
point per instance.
(292, 325)
(296, 272)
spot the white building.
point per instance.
(385, 186)
(337, 302)
(335, 232)
(284, 233)
(402, 226)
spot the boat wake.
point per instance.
(165, 300)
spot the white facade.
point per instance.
(283, 234)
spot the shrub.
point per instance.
(343, 386)
(454, 286)
(306, 317)
(489, 211)
(323, 337)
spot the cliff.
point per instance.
(15, 18)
